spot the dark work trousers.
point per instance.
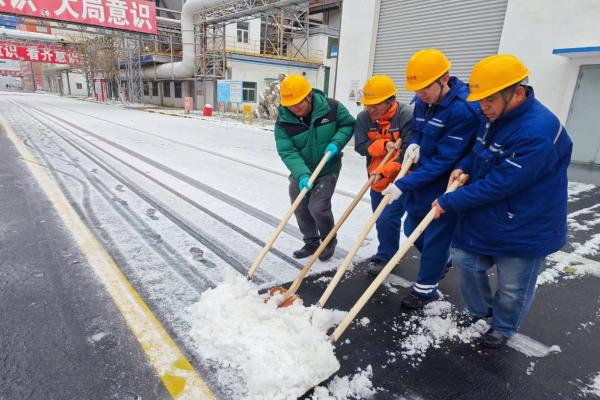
(388, 226)
(314, 215)
(434, 245)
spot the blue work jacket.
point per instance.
(516, 202)
(445, 132)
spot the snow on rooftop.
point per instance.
(279, 353)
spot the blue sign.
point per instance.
(8, 21)
(229, 91)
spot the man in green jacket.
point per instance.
(308, 126)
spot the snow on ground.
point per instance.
(437, 324)
(233, 171)
(577, 188)
(567, 266)
(359, 386)
(280, 352)
(593, 388)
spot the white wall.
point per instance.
(253, 45)
(357, 37)
(74, 78)
(533, 28)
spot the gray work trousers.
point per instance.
(314, 215)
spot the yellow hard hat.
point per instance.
(495, 73)
(424, 67)
(294, 88)
(378, 89)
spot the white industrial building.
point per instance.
(247, 60)
(558, 41)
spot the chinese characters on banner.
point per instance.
(38, 53)
(130, 15)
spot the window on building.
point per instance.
(146, 88)
(332, 47)
(242, 32)
(167, 89)
(155, 89)
(177, 89)
(249, 92)
(79, 85)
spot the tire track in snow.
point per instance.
(244, 207)
(273, 171)
(172, 258)
(217, 247)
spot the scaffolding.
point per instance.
(131, 51)
(285, 32)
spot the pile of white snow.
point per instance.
(279, 353)
(576, 188)
(593, 387)
(359, 386)
(438, 324)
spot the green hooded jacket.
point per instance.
(301, 147)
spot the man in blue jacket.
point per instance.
(513, 212)
(444, 127)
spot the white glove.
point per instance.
(414, 151)
(393, 191)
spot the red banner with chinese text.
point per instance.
(130, 15)
(38, 53)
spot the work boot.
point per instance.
(328, 251)
(375, 266)
(493, 340)
(308, 250)
(466, 319)
(415, 301)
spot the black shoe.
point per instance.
(329, 250)
(414, 300)
(493, 340)
(375, 266)
(467, 319)
(307, 250)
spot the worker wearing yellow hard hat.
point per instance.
(385, 126)
(444, 127)
(513, 211)
(310, 125)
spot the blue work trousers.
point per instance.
(516, 287)
(434, 245)
(388, 226)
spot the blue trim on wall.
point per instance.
(576, 50)
(269, 63)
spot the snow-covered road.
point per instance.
(180, 203)
(177, 202)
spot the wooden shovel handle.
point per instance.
(287, 217)
(304, 271)
(344, 266)
(405, 246)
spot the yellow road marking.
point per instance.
(179, 377)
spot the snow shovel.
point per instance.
(344, 266)
(291, 292)
(406, 245)
(287, 217)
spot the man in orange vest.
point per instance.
(377, 131)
